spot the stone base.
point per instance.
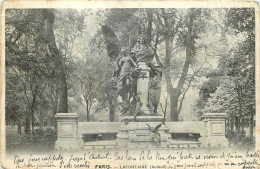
(215, 127)
(146, 111)
(138, 135)
(100, 145)
(68, 138)
(68, 144)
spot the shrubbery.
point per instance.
(42, 139)
(241, 141)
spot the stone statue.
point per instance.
(142, 52)
(135, 73)
(125, 76)
(154, 92)
(126, 73)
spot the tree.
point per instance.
(177, 32)
(107, 91)
(15, 111)
(108, 95)
(34, 58)
(24, 51)
(242, 65)
(89, 78)
(52, 93)
(208, 87)
(236, 93)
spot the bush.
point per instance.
(43, 139)
(240, 140)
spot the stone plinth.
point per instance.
(67, 132)
(136, 135)
(144, 118)
(214, 135)
(143, 86)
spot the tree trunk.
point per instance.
(55, 124)
(41, 123)
(32, 118)
(228, 125)
(232, 124)
(171, 91)
(49, 121)
(251, 124)
(149, 25)
(174, 115)
(53, 121)
(27, 129)
(19, 131)
(87, 115)
(176, 92)
(88, 110)
(112, 113)
(237, 125)
(242, 124)
(59, 65)
(63, 92)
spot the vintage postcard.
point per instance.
(129, 84)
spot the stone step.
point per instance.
(143, 144)
(143, 138)
(184, 144)
(100, 145)
(143, 132)
(155, 118)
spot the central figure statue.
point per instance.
(142, 52)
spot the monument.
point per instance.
(138, 84)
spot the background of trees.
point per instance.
(56, 61)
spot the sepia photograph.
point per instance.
(132, 87)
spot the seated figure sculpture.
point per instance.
(142, 52)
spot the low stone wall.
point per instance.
(186, 126)
(112, 127)
(211, 130)
(98, 127)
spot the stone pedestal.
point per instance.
(137, 134)
(142, 86)
(68, 132)
(214, 135)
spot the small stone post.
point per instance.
(215, 130)
(143, 86)
(67, 132)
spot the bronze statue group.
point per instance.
(128, 72)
